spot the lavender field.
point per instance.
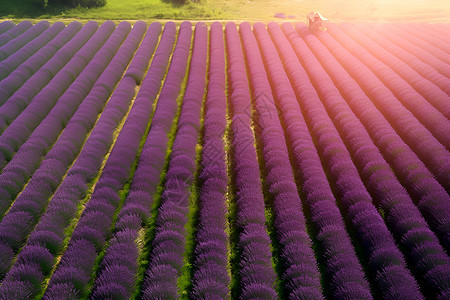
(224, 161)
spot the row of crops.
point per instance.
(236, 161)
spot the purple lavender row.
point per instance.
(18, 132)
(440, 29)
(5, 26)
(445, 26)
(299, 273)
(210, 279)
(14, 60)
(413, 97)
(126, 283)
(15, 44)
(21, 115)
(168, 245)
(63, 206)
(27, 159)
(14, 32)
(413, 174)
(31, 203)
(46, 240)
(93, 228)
(23, 100)
(409, 51)
(407, 35)
(146, 178)
(389, 81)
(402, 216)
(25, 70)
(431, 152)
(429, 83)
(427, 29)
(256, 277)
(118, 272)
(398, 53)
(424, 30)
(388, 269)
(444, 45)
(346, 276)
(432, 199)
(143, 55)
(17, 95)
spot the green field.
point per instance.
(374, 10)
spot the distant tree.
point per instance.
(88, 3)
(71, 3)
(43, 4)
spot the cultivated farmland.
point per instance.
(224, 161)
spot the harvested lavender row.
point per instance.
(92, 230)
(431, 118)
(407, 35)
(255, 277)
(30, 204)
(429, 150)
(168, 245)
(337, 250)
(409, 51)
(118, 273)
(14, 60)
(15, 44)
(404, 63)
(385, 262)
(14, 32)
(210, 279)
(28, 158)
(387, 192)
(5, 26)
(22, 73)
(300, 274)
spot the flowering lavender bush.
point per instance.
(264, 162)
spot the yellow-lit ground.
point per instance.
(340, 10)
